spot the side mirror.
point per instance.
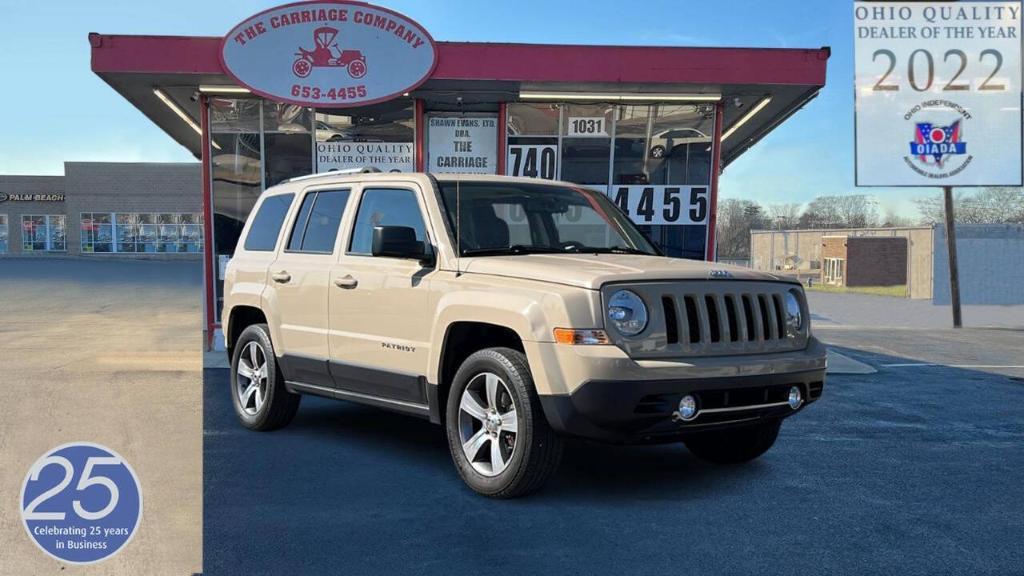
(398, 242)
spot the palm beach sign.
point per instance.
(329, 54)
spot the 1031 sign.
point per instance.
(662, 205)
(534, 161)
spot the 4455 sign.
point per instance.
(662, 205)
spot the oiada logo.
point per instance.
(938, 148)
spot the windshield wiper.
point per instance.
(515, 249)
(613, 250)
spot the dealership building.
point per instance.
(106, 209)
(321, 86)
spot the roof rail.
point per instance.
(363, 170)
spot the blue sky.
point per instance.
(58, 110)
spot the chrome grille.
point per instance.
(710, 318)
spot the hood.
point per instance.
(591, 271)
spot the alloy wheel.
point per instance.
(488, 424)
(251, 382)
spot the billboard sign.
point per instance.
(329, 54)
(938, 93)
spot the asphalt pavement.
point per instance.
(915, 469)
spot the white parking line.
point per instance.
(919, 364)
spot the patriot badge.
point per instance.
(933, 144)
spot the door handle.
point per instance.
(281, 277)
(347, 282)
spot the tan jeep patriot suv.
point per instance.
(514, 312)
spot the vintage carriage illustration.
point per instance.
(327, 54)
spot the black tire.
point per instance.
(279, 405)
(538, 449)
(734, 445)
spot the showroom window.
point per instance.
(661, 173)
(97, 232)
(3, 233)
(287, 142)
(43, 233)
(532, 145)
(654, 161)
(133, 232)
(236, 176)
(586, 143)
(381, 136)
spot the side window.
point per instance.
(316, 227)
(385, 207)
(266, 225)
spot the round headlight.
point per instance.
(794, 316)
(627, 313)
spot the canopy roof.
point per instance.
(484, 73)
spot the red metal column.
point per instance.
(420, 124)
(208, 268)
(502, 116)
(716, 167)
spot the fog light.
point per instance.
(795, 398)
(687, 408)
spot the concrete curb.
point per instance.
(215, 360)
(839, 364)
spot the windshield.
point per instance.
(498, 218)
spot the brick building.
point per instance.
(108, 209)
(864, 260)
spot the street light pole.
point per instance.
(954, 272)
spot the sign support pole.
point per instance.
(954, 272)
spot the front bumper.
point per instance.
(640, 412)
(599, 392)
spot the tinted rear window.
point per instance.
(266, 226)
(319, 218)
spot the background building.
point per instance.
(799, 252)
(108, 209)
(864, 260)
(990, 256)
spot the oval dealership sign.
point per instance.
(329, 54)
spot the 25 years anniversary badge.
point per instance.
(81, 503)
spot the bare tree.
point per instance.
(847, 211)
(785, 216)
(894, 220)
(736, 218)
(995, 205)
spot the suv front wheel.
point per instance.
(498, 436)
(257, 385)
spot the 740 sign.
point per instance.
(661, 205)
(535, 161)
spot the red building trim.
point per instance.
(502, 117)
(419, 136)
(510, 62)
(716, 167)
(208, 268)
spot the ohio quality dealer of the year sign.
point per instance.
(938, 93)
(329, 54)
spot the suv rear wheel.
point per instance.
(498, 436)
(733, 445)
(257, 385)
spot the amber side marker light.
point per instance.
(589, 336)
